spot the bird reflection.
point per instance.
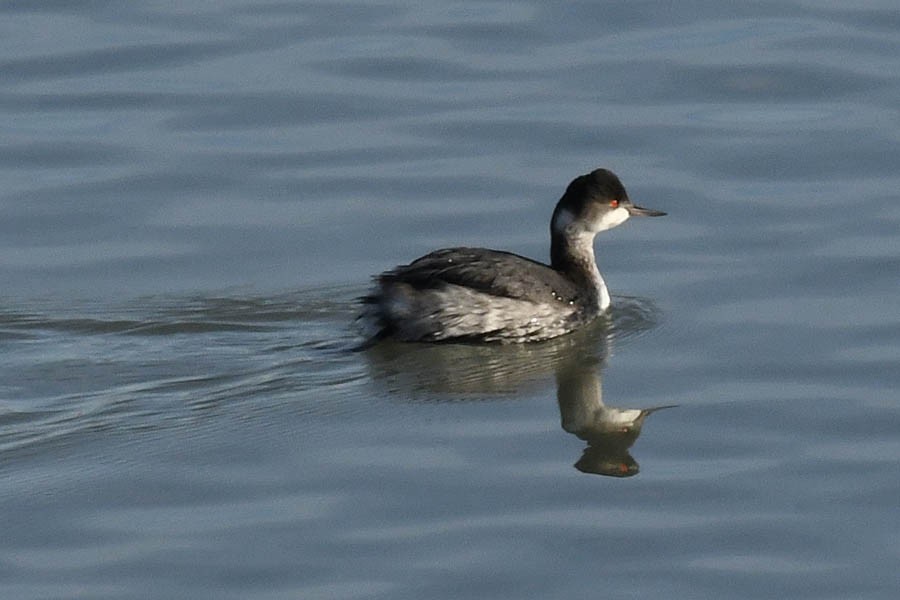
(608, 431)
(453, 372)
(437, 372)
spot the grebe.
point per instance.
(481, 295)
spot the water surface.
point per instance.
(194, 194)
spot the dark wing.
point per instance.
(489, 271)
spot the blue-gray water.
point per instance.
(192, 195)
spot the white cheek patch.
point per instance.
(564, 219)
(621, 416)
(611, 219)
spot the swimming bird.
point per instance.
(482, 295)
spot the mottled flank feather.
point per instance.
(472, 294)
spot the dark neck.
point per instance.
(572, 253)
(573, 256)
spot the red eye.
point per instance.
(614, 203)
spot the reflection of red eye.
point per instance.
(614, 203)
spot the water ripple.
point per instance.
(128, 372)
(111, 60)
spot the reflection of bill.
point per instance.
(608, 431)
